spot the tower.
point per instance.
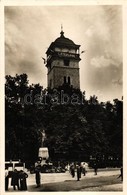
(63, 63)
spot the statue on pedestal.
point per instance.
(43, 151)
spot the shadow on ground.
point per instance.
(102, 183)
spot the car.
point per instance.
(11, 165)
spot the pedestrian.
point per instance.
(72, 170)
(78, 172)
(121, 174)
(38, 175)
(84, 169)
(95, 168)
(23, 182)
(6, 178)
(67, 167)
(15, 179)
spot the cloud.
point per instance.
(101, 61)
(89, 31)
(104, 36)
(117, 82)
(29, 30)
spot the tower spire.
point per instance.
(62, 33)
(61, 27)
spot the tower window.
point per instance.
(69, 81)
(64, 80)
(66, 62)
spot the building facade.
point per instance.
(62, 62)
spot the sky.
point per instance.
(29, 30)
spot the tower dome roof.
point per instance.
(62, 42)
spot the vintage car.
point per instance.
(11, 165)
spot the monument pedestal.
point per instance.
(44, 154)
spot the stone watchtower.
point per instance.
(63, 63)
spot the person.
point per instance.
(15, 179)
(95, 168)
(72, 170)
(38, 175)
(84, 169)
(121, 173)
(22, 178)
(78, 172)
(67, 167)
(6, 178)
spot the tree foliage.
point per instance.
(76, 128)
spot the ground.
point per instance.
(105, 180)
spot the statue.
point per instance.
(43, 138)
(43, 151)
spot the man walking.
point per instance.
(121, 174)
(78, 173)
(95, 168)
(37, 174)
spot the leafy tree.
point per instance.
(76, 128)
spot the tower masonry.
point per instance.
(63, 63)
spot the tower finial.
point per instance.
(62, 33)
(61, 27)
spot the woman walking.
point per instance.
(72, 170)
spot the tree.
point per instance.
(75, 128)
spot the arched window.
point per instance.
(64, 79)
(69, 82)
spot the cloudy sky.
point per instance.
(29, 30)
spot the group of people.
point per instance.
(80, 169)
(18, 180)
